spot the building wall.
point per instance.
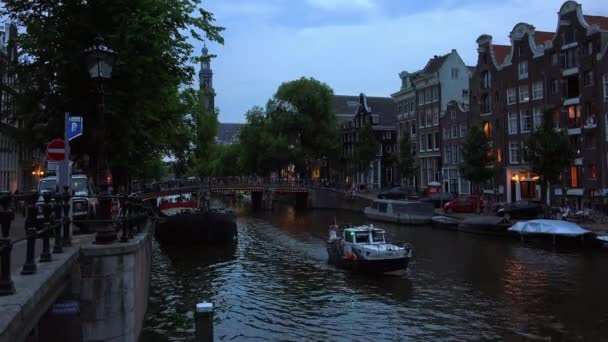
(454, 127)
(454, 86)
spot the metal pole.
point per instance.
(204, 322)
(56, 224)
(45, 256)
(30, 227)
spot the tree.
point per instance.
(406, 162)
(477, 157)
(549, 152)
(143, 113)
(366, 147)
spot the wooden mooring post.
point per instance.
(204, 322)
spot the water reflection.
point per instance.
(275, 284)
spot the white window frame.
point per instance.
(429, 148)
(524, 119)
(435, 116)
(455, 72)
(422, 142)
(427, 95)
(512, 123)
(453, 113)
(435, 93)
(537, 117)
(588, 78)
(462, 130)
(537, 90)
(436, 139)
(454, 131)
(523, 69)
(524, 93)
(513, 152)
(554, 59)
(511, 96)
(429, 118)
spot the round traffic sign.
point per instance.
(55, 150)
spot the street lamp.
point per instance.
(99, 60)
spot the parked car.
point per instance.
(524, 209)
(464, 204)
(438, 199)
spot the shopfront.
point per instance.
(522, 184)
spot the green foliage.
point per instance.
(406, 162)
(224, 161)
(153, 169)
(144, 116)
(367, 146)
(477, 159)
(549, 150)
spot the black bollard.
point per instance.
(67, 240)
(30, 228)
(45, 256)
(6, 283)
(6, 214)
(56, 224)
(131, 218)
(203, 322)
(123, 220)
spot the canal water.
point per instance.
(275, 284)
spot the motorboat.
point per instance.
(364, 248)
(402, 212)
(444, 222)
(183, 223)
(487, 225)
(557, 231)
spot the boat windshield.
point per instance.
(377, 236)
(48, 185)
(362, 237)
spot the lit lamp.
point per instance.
(99, 60)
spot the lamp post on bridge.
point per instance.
(99, 60)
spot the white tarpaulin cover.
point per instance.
(552, 227)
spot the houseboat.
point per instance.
(402, 212)
(365, 249)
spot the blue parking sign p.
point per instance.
(74, 127)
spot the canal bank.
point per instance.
(275, 283)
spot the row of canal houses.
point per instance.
(504, 94)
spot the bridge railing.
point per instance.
(49, 215)
(221, 182)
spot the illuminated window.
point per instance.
(487, 129)
(575, 176)
(592, 171)
(499, 155)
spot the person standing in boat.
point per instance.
(333, 233)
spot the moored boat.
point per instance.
(402, 212)
(444, 222)
(487, 225)
(554, 231)
(364, 248)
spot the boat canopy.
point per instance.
(550, 227)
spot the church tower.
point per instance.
(205, 78)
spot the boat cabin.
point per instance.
(363, 235)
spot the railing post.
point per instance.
(106, 233)
(56, 224)
(123, 220)
(30, 227)
(6, 214)
(45, 256)
(204, 322)
(67, 239)
(131, 218)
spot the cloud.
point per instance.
(363, 56)
(342, 4)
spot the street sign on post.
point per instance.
(74, 127)
(55, 150)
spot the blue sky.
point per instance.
(353, 45)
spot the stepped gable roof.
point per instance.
(501, 52)
(600, 21)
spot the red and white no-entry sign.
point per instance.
(55, 150)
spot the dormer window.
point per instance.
(569, 36)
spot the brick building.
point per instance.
(564, 70)
(379, 111)
(454, 127)
(405, 107)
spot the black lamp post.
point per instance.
(99, 60)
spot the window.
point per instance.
(420, 98)
(570, 58)
(375, 118)
(388, 149)
(569, 36)
(485, 104)
(588, 78)
(555, 86)
(427, 95)
(413, 127)
(463, 130)
(592, 171)
(486, 81)
(422, 143)
(429, 142)
(487, 129)
(524, 93)
(455, 73)
(537, 117)
(446, 154)
(453, 113)
(435, 116)
(422, 120)
(429, 119)
(605, 87)
(465, 94)
(537, 90)
(554, 59)
(445, 133)
(511, 96)
(454, 131)
(576, 175)
(574, 116)
(589, 48)
(525, 121)
(435, 91)
(512, 123)
(514, 153)
(524, 153)
(590, 142)
(523, 70)
(436, 147)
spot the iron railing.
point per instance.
(116, 213)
